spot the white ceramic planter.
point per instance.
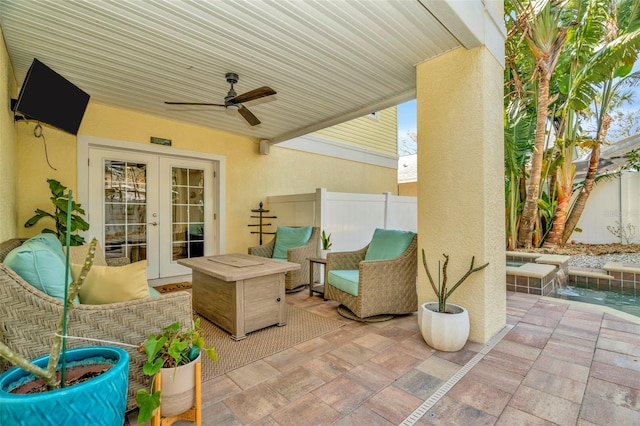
(446, 332)
(323, 253)
(178, 389)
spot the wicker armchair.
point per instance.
(384, 286)
(294, 279)
(28, 319)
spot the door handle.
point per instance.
(154, 223)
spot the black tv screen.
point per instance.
(48, 97)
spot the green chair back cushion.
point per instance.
(289, 237)
(41, 262)
(345, 280)
(388, 244)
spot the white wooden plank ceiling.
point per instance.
(327, 59)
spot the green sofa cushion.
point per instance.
(345, 280)
(41, 262)
(388, 244)
(289, 237)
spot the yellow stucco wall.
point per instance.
(368, 132)
(250, 177)
(460, 181)
(408, 189)
(8, 142)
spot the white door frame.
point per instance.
(85, 142)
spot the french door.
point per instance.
(151, 207)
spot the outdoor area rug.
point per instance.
(301, 326)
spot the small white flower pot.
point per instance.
(446, 332)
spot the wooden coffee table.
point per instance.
(240, 293)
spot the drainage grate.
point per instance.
(438, 394)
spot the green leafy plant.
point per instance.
(169, 349)
(326, 241)
(441, 289)
(60, 198)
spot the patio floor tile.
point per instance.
(449, 411)
(602, 412)
(393, 404)
(295, 383)
(255, 403)
(327, 367)
(418, 383)
(252, 374)
(620, 360)
(555, 385)
(309, 408)
(502, 379)
(548, 407)
(343, 394)
(438, 367)
(512, 416)
(372, 376)
(479, 395)
(375, 342)
(395, 360)
(615, 374)
(561, 364)
(562, 368)
(363, 416)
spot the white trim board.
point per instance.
(319, 145)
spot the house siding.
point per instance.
(379, 134)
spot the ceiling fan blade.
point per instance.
(192, 103)
(248, 115)
(258, 93)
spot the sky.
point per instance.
(407, 112)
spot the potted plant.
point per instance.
(101, 399)
(173, 352)
(62, 206)
(445, 326)
(326, 244)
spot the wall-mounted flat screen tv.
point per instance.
(48, 97)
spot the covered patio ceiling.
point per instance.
(328, 61)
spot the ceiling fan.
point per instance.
(235, 101)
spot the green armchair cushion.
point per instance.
(388, 244)
(290, 237)
(345, 280)
(41, 262)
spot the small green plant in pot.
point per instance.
(326, 241)
(60, 200)
(172, 348)
(445, 326)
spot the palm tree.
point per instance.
(543, 31)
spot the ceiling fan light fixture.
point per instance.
(234, 107)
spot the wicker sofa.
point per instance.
(28, 318)
(294, 279)
(384, 286)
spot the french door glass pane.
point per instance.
(125, 210)
(187, 212)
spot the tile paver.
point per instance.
(563, 364)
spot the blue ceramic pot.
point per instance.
(99, 401)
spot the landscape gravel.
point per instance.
(591, 261)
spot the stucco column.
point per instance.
(461, 181)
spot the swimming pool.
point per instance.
(629, 303)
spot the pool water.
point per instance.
(622, 302)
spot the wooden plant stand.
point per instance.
(194, 414)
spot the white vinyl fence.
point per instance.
(350, 218)
(611, 201)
